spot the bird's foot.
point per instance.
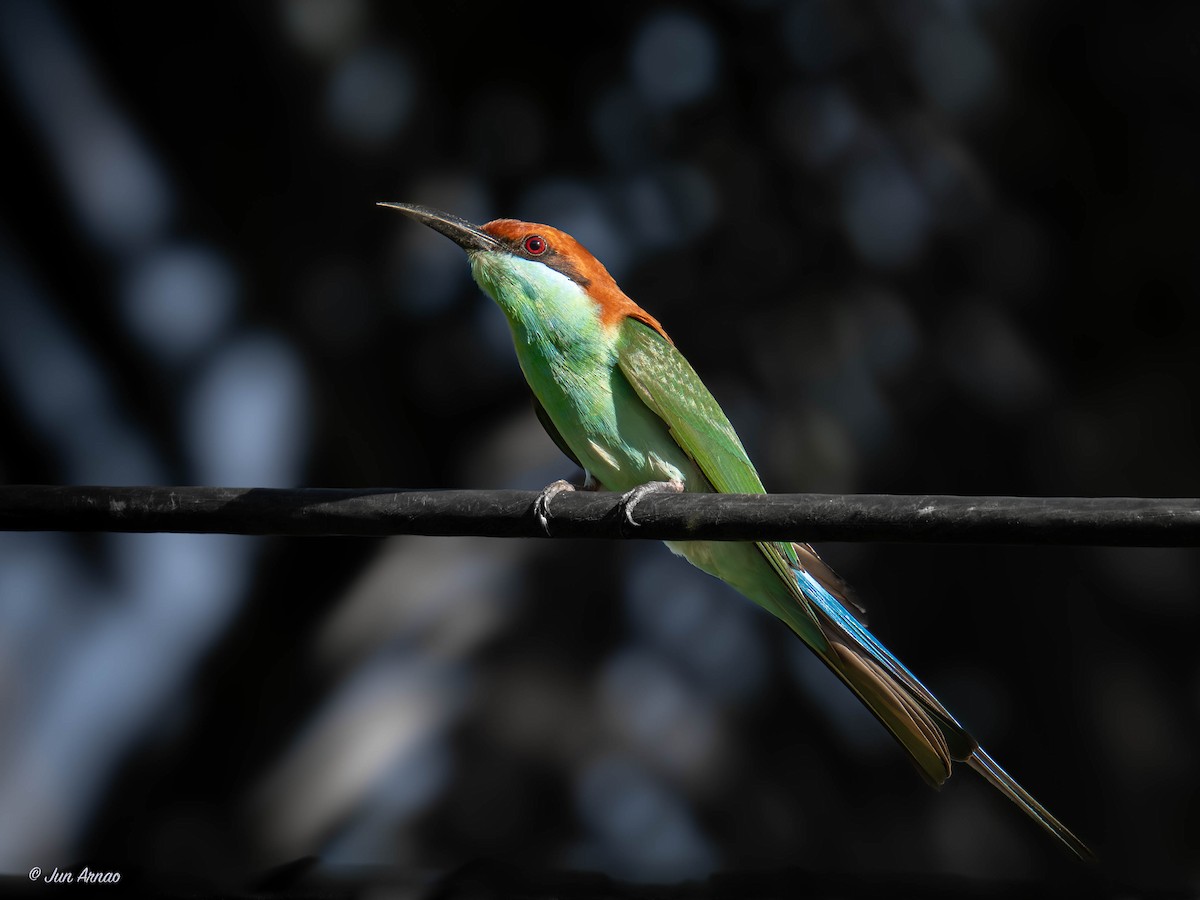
(632, 498)
(541, 506)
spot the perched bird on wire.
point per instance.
(618, 398)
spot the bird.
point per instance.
(616, 395)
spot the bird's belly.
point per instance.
(616, 437)
(624, 446)
(621, 465)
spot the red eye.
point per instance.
(535, 245)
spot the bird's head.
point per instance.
(506, 241)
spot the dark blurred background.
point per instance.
(945, 247)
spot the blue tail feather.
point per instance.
(960, 742)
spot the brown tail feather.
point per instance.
(896, 708)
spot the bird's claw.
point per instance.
(632, 498)
(541, 506)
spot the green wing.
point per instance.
(667, 384)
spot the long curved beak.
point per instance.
(462, 232)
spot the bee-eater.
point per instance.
(618, 398)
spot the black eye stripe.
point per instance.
(562, 264)
(549, 257)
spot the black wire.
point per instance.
(1108, 521)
